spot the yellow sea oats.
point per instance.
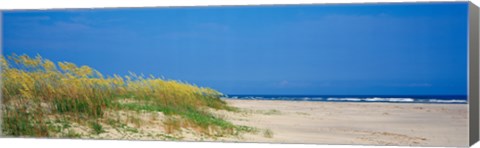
(49, 66)
(68, 67)
(79, 92)
(83, 71)
(29, 62)
(4, 64)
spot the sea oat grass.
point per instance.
(36, 89)
(97, 128)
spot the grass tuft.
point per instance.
(268, 133)
(97, 128)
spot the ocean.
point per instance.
(445, 99)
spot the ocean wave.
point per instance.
(447, 101)
(390, 99)
(313, 99)
(354, 99)
(344, 99)
(373, 99)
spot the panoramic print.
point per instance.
(370, 74)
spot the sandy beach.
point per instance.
(352, 123)
(307, 122)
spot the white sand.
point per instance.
(313, 123)
(352, 123)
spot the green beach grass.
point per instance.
(44, 99)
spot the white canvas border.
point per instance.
(65, 4)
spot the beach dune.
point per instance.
(412, 124)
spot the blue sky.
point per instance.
(374, 49)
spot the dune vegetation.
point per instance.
(45, 99)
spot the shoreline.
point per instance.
(365, 123)
(225, 99)
(347, 101)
